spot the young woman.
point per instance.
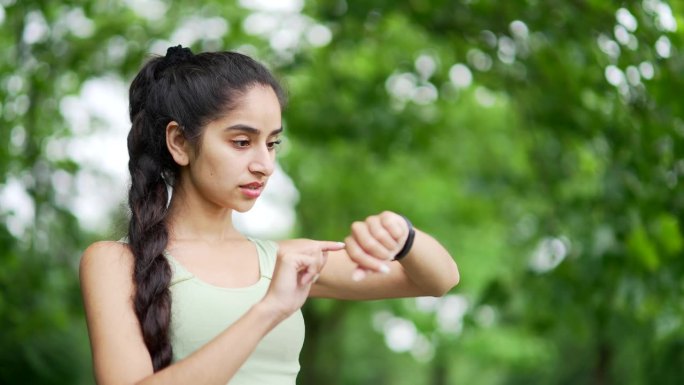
(185, 298)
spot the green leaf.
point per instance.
(642, 248)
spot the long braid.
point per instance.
(191, 90)
(148, 237)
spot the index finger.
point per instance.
(330, 245)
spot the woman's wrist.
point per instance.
(408, 244)
(270, 311)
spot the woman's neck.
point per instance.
(195, 219)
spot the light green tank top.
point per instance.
(200, 311)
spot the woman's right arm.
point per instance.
(119, 353)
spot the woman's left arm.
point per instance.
(365, 269)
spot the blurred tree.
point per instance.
(569, 135)
(540, 141)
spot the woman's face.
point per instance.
(236, 155)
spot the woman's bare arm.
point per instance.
(427, 270)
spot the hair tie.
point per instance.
(174, 56)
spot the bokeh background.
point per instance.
(541, 141)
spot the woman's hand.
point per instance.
(375, 242)
(297, 267)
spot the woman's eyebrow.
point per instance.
(252, 130)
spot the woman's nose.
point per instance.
(263, 161)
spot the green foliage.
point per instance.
(540, 141)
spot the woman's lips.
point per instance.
(252, 190)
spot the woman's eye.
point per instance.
(241, 143)
(273, 145)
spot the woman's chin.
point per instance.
(243, 208)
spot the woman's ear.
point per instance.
(177, 144)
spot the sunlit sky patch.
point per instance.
(292, 6)
(550, 252)
(36, 29)
(149, 9)
(15, 199)
(2, 14)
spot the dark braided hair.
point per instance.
(191, 90)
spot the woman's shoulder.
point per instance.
(106, 257)
(267, 251)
